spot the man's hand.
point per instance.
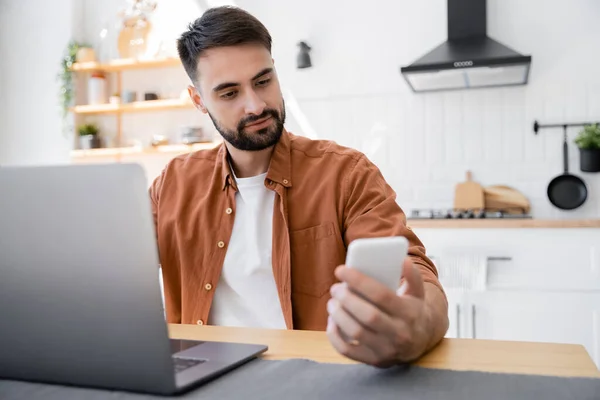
(370, 323)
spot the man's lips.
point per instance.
(259, 122)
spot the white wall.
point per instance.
(32, 40)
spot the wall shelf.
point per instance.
(116, 68)
(138, 106)
(136, 150)
(125, 64)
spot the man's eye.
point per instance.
(228, 95)
(263, 82)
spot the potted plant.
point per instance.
(88, 136)
(588, 142)
(65, 78)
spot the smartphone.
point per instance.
(380, 258)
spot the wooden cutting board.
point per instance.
(500, 197)
(469, 195)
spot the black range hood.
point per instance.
(469, 58)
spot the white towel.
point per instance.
(463, 271)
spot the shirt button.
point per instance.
(229, 211)
(221, 244)
(285, 181)
(208, 286)
(199, 322)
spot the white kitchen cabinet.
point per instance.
(572, 318)
(545, 289)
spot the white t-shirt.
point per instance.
(246, 294)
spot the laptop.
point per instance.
(80, 297)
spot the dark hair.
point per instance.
(219, 27)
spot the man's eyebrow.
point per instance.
(225, 85)
(262, 73)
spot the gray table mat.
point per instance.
(307, 380)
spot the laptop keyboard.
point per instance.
(182, 364)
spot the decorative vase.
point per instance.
(589, 160)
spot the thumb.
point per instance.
(412, 281)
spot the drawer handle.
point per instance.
(458, 321)
(474, 321)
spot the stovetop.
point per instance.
(465, 214)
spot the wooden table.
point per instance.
(456, 354)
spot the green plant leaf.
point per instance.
(88, 129)
(66, 92)
(589, 137)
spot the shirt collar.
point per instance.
(279, 168)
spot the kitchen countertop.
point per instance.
(455, 354)
(503, 223)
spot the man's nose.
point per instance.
(254, 104)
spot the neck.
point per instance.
(246, 164)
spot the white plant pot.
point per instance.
(89, 142)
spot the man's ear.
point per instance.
(196, 99)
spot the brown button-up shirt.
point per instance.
(326, 196)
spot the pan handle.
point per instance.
(565, 150)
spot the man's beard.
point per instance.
(258, 140)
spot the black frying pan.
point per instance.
(567, 191)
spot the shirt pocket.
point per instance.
(315, 255)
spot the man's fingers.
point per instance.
(382, 344)
(368, 288)
(355, 352)
(391, 333)
(405, 306)
(365, 313)
(351, 329)
(413, 280)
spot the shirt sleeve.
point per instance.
(154, 193)
(371, 211)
